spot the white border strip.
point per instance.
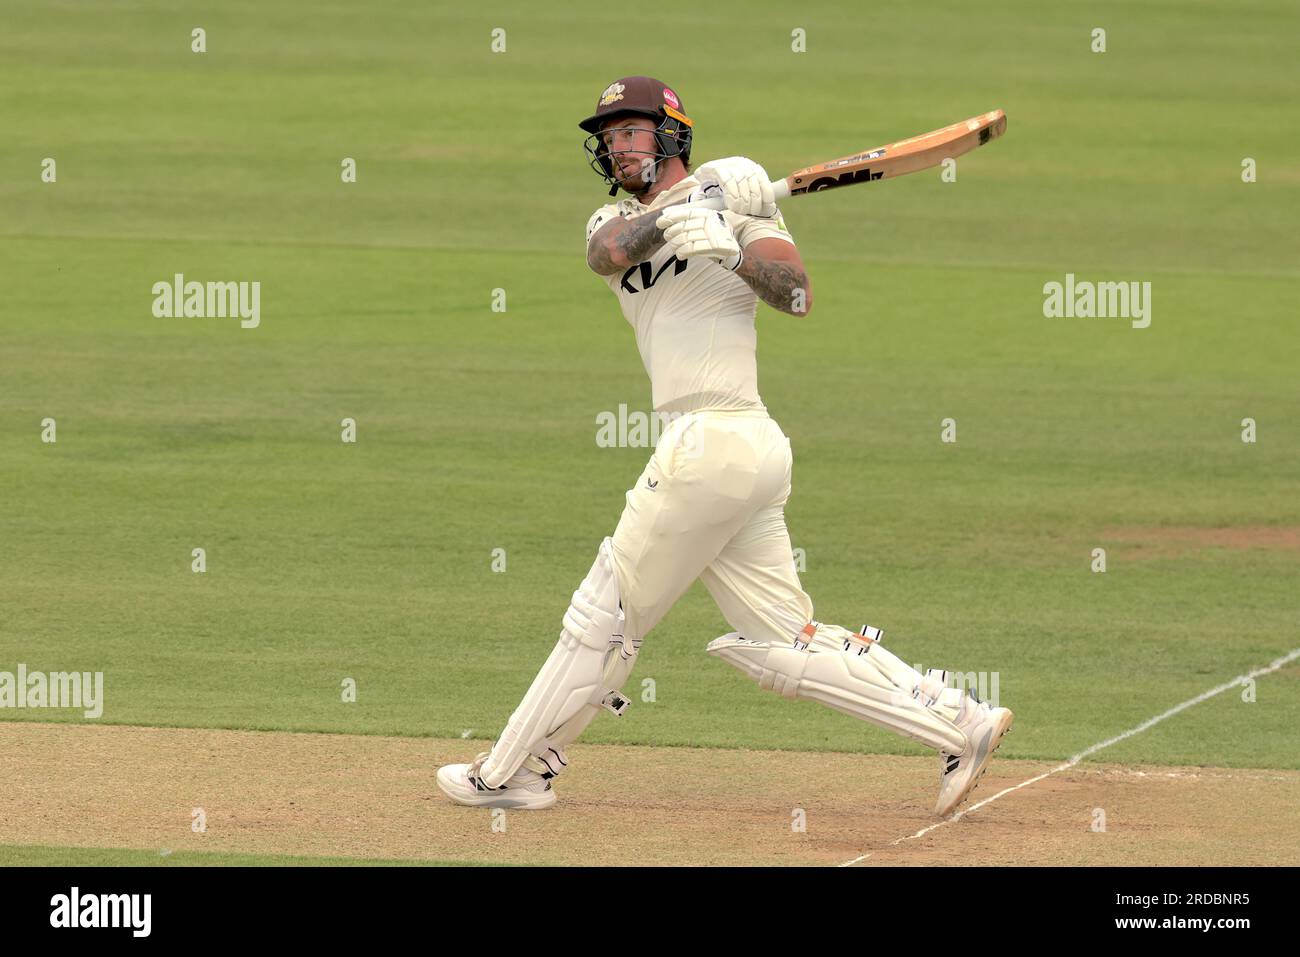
(1240, 679)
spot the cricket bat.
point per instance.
(886, 162)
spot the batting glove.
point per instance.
(744, 183)
(690, 231)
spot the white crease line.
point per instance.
(1205, 774)
(1240, 679)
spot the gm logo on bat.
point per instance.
(844, 179)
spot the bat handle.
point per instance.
(780, 191)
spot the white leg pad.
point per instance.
(931, 689)
(584, 672)
(548, 756)
(864, 681)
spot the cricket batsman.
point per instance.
(710, 502)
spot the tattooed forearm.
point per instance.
(641, 238)
(624, 243)
(782, 285)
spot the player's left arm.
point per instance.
(774, 269)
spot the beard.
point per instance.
(639, 180)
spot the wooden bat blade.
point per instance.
(898, 159)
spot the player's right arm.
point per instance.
(615, 243)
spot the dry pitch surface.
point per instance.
(373, 797)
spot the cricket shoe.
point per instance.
(526, 789)
(984, 728)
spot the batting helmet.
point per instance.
(638, 96)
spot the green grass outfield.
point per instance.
(477, 429)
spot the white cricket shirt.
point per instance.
(693, 319)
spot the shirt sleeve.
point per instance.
(599, 218)
(749, 228)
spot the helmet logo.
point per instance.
(671, 99)
(612, 93)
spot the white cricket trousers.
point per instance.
(710, 505)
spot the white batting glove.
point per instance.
(744, 184)
(691, 231)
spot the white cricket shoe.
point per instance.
(525, 789)
(984, 728)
